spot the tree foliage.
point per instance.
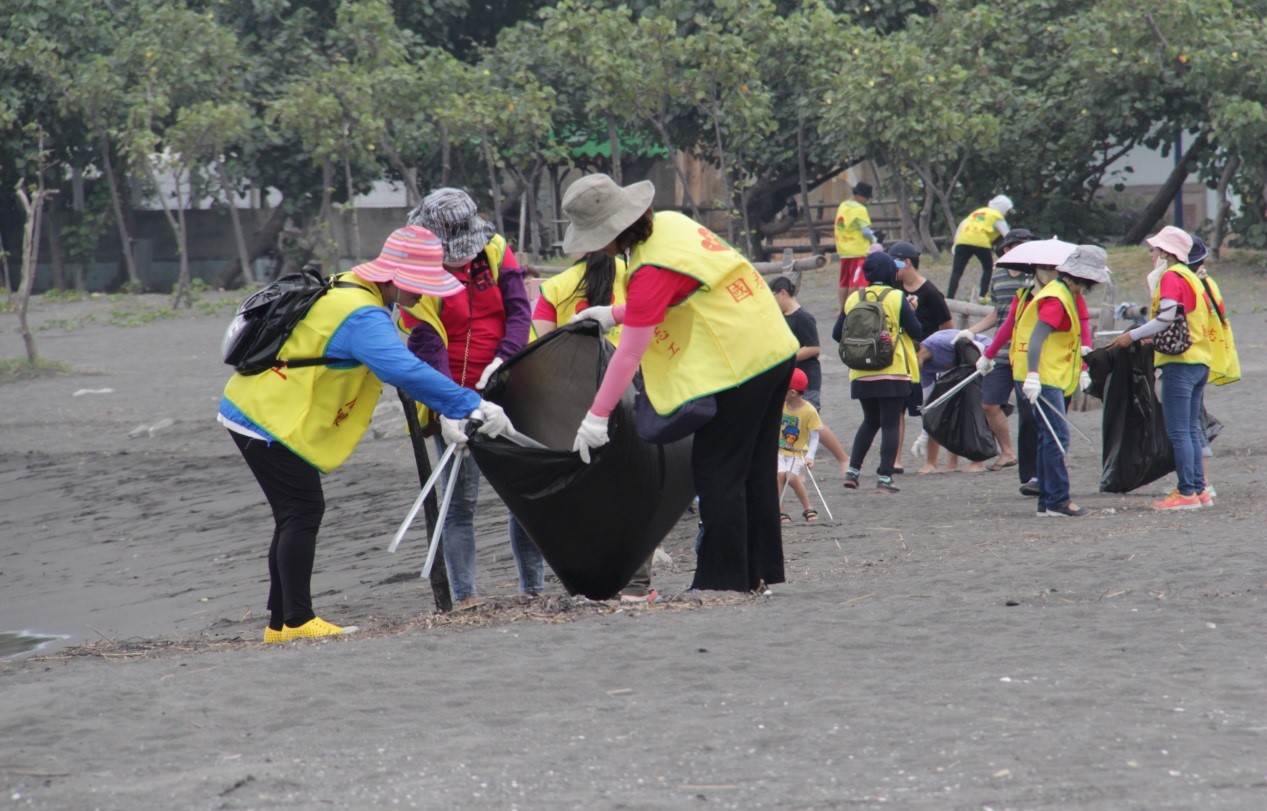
(314, 100)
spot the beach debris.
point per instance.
(82, 392)
(661, 558)
(151, 430)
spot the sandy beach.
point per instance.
(937, 649)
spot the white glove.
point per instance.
(985, 365)
(592, 434)
(453, 431)
(602, 314)
(1032, 387)
(496, 423)
(1084, 381)
(1086, 350)
(488, 372)
(964, 335)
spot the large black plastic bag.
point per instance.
(596, 523)
(959, 424)
(1135, 448)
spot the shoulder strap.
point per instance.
(881, 299)
(1214, 305)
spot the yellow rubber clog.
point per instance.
(314, 628)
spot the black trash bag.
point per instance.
(959, 424)
(595, 524)
(1135, 449)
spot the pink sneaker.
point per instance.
(1177, 501)
(1206, 498)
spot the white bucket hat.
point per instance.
(1088, 262)
(1174, 241)
(1000, 203)
(600, 210)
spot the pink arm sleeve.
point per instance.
(620, 370)
(1003, 334)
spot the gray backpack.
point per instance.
(867, 344)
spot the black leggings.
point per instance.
(293, 489)
(960, 263)
(882, 414)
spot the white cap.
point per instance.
(1001, 203)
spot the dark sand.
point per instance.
(937, 649)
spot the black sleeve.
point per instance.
(910, 322)
(805, 328)
(838, 331)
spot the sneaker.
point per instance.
(919, 448)
(1178, 501)
(1041, 512)
(1206, 497)
(467, 603)
(1210, 489)
(271, 636)
(648, 596)
(886, 485)
(315, 627)
(851, 481)
(1067, 511)
(1029, 488)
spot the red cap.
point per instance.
(799, 381)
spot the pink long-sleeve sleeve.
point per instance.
(621, 369)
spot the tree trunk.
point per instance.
(4, 266)
(723, 171)
(261, 241)
(185, 283)
(328, 244)
(613, 137)
(1224, 204)
(125, 240)
(357, 256)
(801, 173)
(688, 198)
(446, 155)
(496, 188)
(34, 207)
(408, 174)
(239, 236)
(1161, 201)
(51, 224)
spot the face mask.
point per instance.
(899, 264)
(1154, 278)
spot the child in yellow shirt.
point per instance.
(799, 435)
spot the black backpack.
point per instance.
(867, 344)
(267, 317)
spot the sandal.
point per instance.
(810, 515)
(784, 518)
(997, 465)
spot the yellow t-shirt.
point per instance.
(796, 427)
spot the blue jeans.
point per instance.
(458, 537)
(1053, 476)
(1182, 390)
(528, 561)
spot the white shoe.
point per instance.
(919, 447)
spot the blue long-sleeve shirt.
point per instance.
(368, 336)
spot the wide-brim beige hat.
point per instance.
(1088, 262)
(600, 210)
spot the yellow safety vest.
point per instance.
(564, 294)
(904, 360)
(978, 228)
(725, 333)
(1199, 327)
(319, 412)
(1061, 360)
(850, 217)
(1225, 364)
